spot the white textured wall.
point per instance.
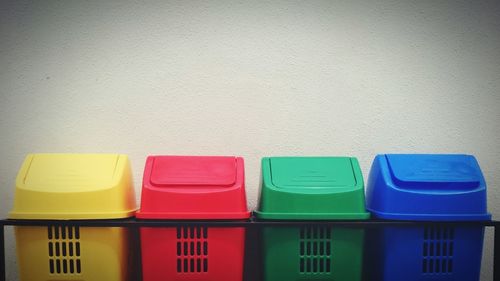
(252, 79)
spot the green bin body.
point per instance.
(310, 189)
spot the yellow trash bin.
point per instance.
(74, 186)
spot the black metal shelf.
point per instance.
(252, 225)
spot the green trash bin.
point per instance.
(312, 188)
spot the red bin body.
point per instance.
(193, 188)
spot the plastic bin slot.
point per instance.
(51, 249)
(51, 266)
(192, 249)
(77, 246)
(437, 250)
(314, 250)
(205, 265)
(63, 250)
(191, 262)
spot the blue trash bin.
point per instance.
(425, 187)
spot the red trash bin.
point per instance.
(193, 188)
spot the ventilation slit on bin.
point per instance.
(437, 249)
(315, 250)
(179, 233)
(61, 245)
(179, 265)
(192, 249)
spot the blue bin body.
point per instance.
(424, 187)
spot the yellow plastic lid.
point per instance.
(74, 186)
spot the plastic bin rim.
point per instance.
(193, 215)
(431, 217)
(68, 216)
(312, 216)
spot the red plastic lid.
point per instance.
(193, 171)
(193, 187)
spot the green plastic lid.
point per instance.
(311, 188)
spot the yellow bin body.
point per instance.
(74, 186)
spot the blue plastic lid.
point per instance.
(427, 187)
(434, 172)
